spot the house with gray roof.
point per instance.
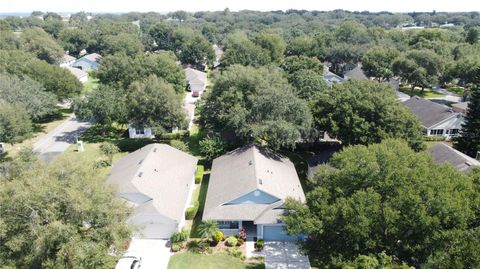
(88, 62)
(356, 74)
(443, 153)
(196, 81)
(437, 119)
(157, 182)
(460, 107)
(247, 189)
(81, 75)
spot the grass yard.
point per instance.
(202, 196)
(214, 261)
(91, 84)
(426, 93)
(456, 90)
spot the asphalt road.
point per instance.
(58, 140)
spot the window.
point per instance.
(436, 132)
(227, 224)
(140, 131)
(453, 131)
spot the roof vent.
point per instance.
(260, 181)
(250, 162)
(140, 174)
(155, 150)
(140, 162)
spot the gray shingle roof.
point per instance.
(356, 74)
(429, 113)
(243, 171)
(160, 174)
(460, 107)
(442, 153)
(94, 57)
(78, 73)
(196, 79)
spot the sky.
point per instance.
(235, 5)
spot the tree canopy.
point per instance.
(387, 198)
(255, 104)
(15, 123)
(365, 112)
(58, 216)
(469, 139)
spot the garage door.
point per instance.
(157, 231)
(276, 233)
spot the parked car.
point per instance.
(129, 261)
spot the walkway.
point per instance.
(59, 139)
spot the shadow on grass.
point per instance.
(60, 114)
(202, 196)
(255, 266)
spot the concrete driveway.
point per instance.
(283, 255)
(155, 253)
(60, 138)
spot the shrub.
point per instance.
(198, 246)
(240, 242)
(179, 144)
(199, 175)
(176, 247)
(237, 253)
(175, 135)
(132, 144)
(191, 211)
(101, 162)
(212, 147)
(231, 241)
(218, 236)
(178, 237)
(259, 244)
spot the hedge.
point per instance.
(192, 211)
(199, 175)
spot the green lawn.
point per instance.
(426, 93)
(202, 196)
(91, 84)
(214, 261)
(456, 90)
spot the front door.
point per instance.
(250, 229)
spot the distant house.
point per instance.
(81, 75)
(332, 78)
(443, 153)
(157, 182)
(460, 107)
(139, 131)
(247, 189)
(67, 60)
(355, 74)
(196, 81)
(437, 119)
(218, 55)
(88, 62)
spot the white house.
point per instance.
(196, 81)
(157, 182)
(247, 189)
(437, 119)
(81, 75)
(138, 131)
(88, 62)
(67, 60)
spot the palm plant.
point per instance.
(207, 228)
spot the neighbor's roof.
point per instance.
(67, 58)
(356, 73)
(443, 153)
(161, 173)
(243, 171)
(429, 113)
(94, 57)
(78, 73)
(194, 76)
